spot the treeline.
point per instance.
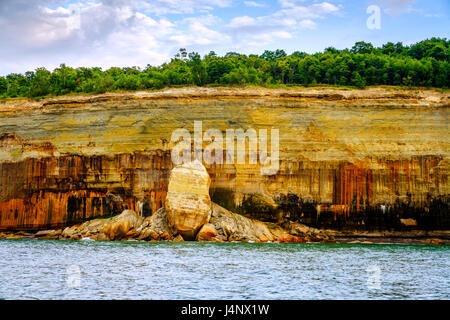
(425, 63)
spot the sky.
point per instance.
(120, 33)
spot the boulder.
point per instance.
(231, 226)
(207, 233)
(436, 241)
(100, 237)
(234, 227)
(13, 236)
(79, 231)
(48, 234)
(188, 205)
(281, 235)
(303, 231)
(409, 222)
(155, 227)
(178, 238)
(120, 225)
(102, 229)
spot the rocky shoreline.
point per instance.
(210, 236)
(224, 226)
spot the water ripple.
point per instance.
(38, 269)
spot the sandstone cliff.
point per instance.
(348, 158)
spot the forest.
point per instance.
(423, 64)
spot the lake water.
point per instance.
(47, 269)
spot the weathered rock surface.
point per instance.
(188, 205)
(409, 222)
(301, 230)
(48, 234)
(412, 234)
(16, 235)
(113, 228)
(235, 227)
(207, 233)
(120, 225)
(344, 153)
(156, 227)
(178, 238)
(225, 225)
(86, 229)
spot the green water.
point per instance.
(45, 269)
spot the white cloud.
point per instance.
(396, 7)
(399, 7)
(161, 7)
(207, 20)
(107, 33)
(242, 22)
(293, 17)
(316, 10)
(200, 34)
(282, 34)
(131, 32)
(254, 4)
(307, 24)
(289, 3)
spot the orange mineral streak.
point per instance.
(45, 208)
(57, 191)
(361, 184)
(355, 188)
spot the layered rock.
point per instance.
(235, 227)
(120, 225)
(48, 234)
(207, 233)
(156, 227)
(348, 156)
(115, 228)
(224, 226)
(188, 205)
(57, 191)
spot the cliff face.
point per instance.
(62, 190)
(346, 157)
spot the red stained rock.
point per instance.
(207, 233)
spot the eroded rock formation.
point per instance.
(188, 205)
(186, 217)
(115, 228)
(357, 159)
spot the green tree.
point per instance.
(40, 85)
(197, 69)
(425, 63)
(3, 85)
(358, 81)
(362, 47)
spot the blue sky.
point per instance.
(122, 33)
